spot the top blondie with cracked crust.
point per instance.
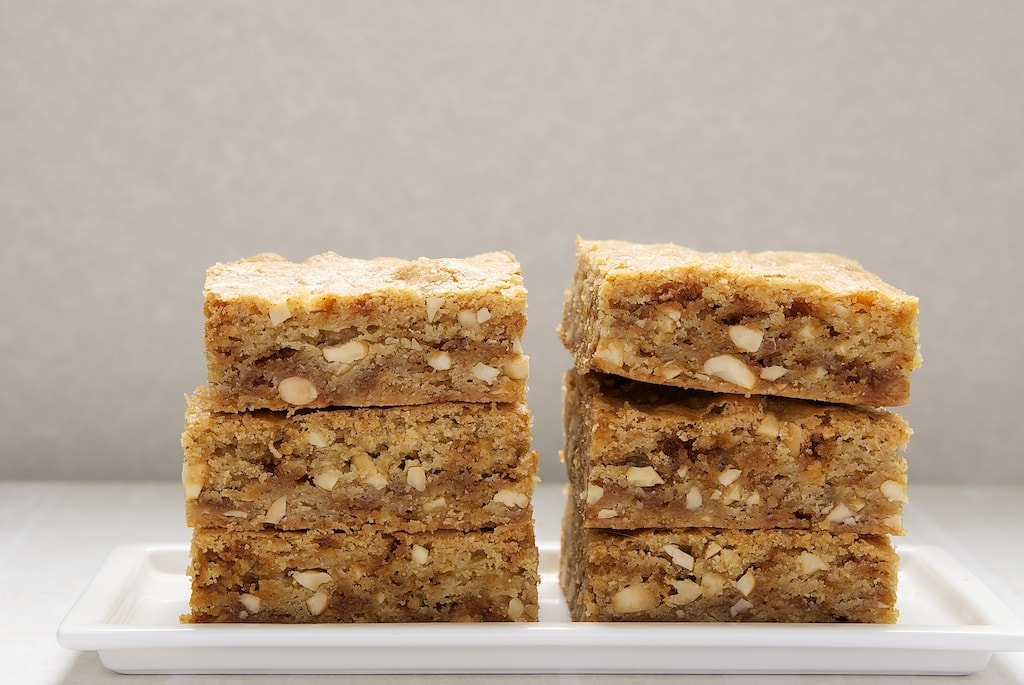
(336, 331)
(792, 324)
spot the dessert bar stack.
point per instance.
(728, 451)
(361, 451)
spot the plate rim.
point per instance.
(85, 628)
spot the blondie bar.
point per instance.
(804, 325)
(453, 465)
(333, 331)
(366, 576)
(708, 574)
(648, 456)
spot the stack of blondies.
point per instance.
(361, 451)
(728, 451)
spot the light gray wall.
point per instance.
(142, 141)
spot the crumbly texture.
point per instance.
(452, 465)
(333, 331)
(792, 324)
(369, 576)
(647, 456)
(704, 574)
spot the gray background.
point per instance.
(142, 141)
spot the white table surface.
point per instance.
(54, 536)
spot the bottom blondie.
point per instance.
(364, 576)
(703, 574)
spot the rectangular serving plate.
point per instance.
(950, 624)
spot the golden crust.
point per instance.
(274, 278)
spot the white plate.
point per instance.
(950, 624)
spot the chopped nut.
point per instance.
(419, 554)
(516, 609)
(730, 558)
(810, 563)
(316, 439)
(894, 522)
(311, 580)
(739, 607)
(670, 311)
(731, 370)
(517, 369)
(483, 315)
(468, 319)
(806, 332)
(840, 512)
(686, 592)
(712, 583)
(279, 313)
(276, 511)
(317, 603)
(633, 598)
(712, 549)
(732, 494)
(612, 351)
(433, 305)
(327, 478)
(607, 514)
(297, 390)
(729, 476)
(773, 373)
(819, 373)
(754, 498)
(693, 499)
(273, 450)
(484, 372)
(670, 371)
(511, 498)
(376, 480)
(679, 557)
(517, 346)
(794, 438)
(594, 493)
(416, 477)
(250, 602)
(368, 470)
(746, 583)
(363, 463)
(643, 476)
(235, 514)
(193, 477)
(769, 426)
(347, 353)
(893, 491)
(747, 339)
(435, 504)
(439, 360)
